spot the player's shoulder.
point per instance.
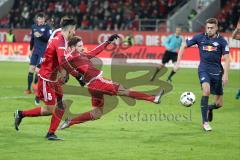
(47, 26)
(196, 37)
(200, 35)
(73, 55)
(221, 38)
(56, 32)
(57, 39)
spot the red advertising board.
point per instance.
(96, 37)
(146, 54)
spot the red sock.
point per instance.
(141, 96)
(32, 112)
(82, 118)
(56, 118)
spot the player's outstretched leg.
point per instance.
(140, 95)
(94, 114)
(19, 115)
(17, 119)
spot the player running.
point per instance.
(41, 32)
(97, 85)
(172, 43)
(212, 46)
(49, 89)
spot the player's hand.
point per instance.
(113, 37)
(65, 79)
(225, 79)
(80, 79)
(37, 34)
(30, 54)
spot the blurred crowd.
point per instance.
(108, 14)
(90, 14)
(229, 16)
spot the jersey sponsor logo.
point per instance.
(215, 43)
(209, 48)
(42, 29)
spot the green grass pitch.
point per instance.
(126, 132)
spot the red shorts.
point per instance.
(99, 87)
(49, 91)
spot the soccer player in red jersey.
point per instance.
(49, 88)
(97, 85)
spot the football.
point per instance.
(187, 99)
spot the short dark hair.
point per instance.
(212, 21)
(74, 40)
(40, 14)
(67, 21)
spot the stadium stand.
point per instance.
(109, 14)
(228, 16)
(101, 15)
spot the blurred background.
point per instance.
(137, 15)
(147, 22)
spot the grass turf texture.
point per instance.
(126, 132)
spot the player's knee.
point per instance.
(47, 111)
(31, 68)
(37, 69)
(97, 113)
(206, 92)
(122, 91)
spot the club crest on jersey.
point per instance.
(209, 48)
(42, 29)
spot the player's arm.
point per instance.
(32, 41)
(46, 34)
(102, 46)
(98, 49)
(226, 68)
(185, 43)
(180, 54)
(225, 51)
(61, 52)
(236, 32)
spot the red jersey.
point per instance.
(54, 59)
(81, 62)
